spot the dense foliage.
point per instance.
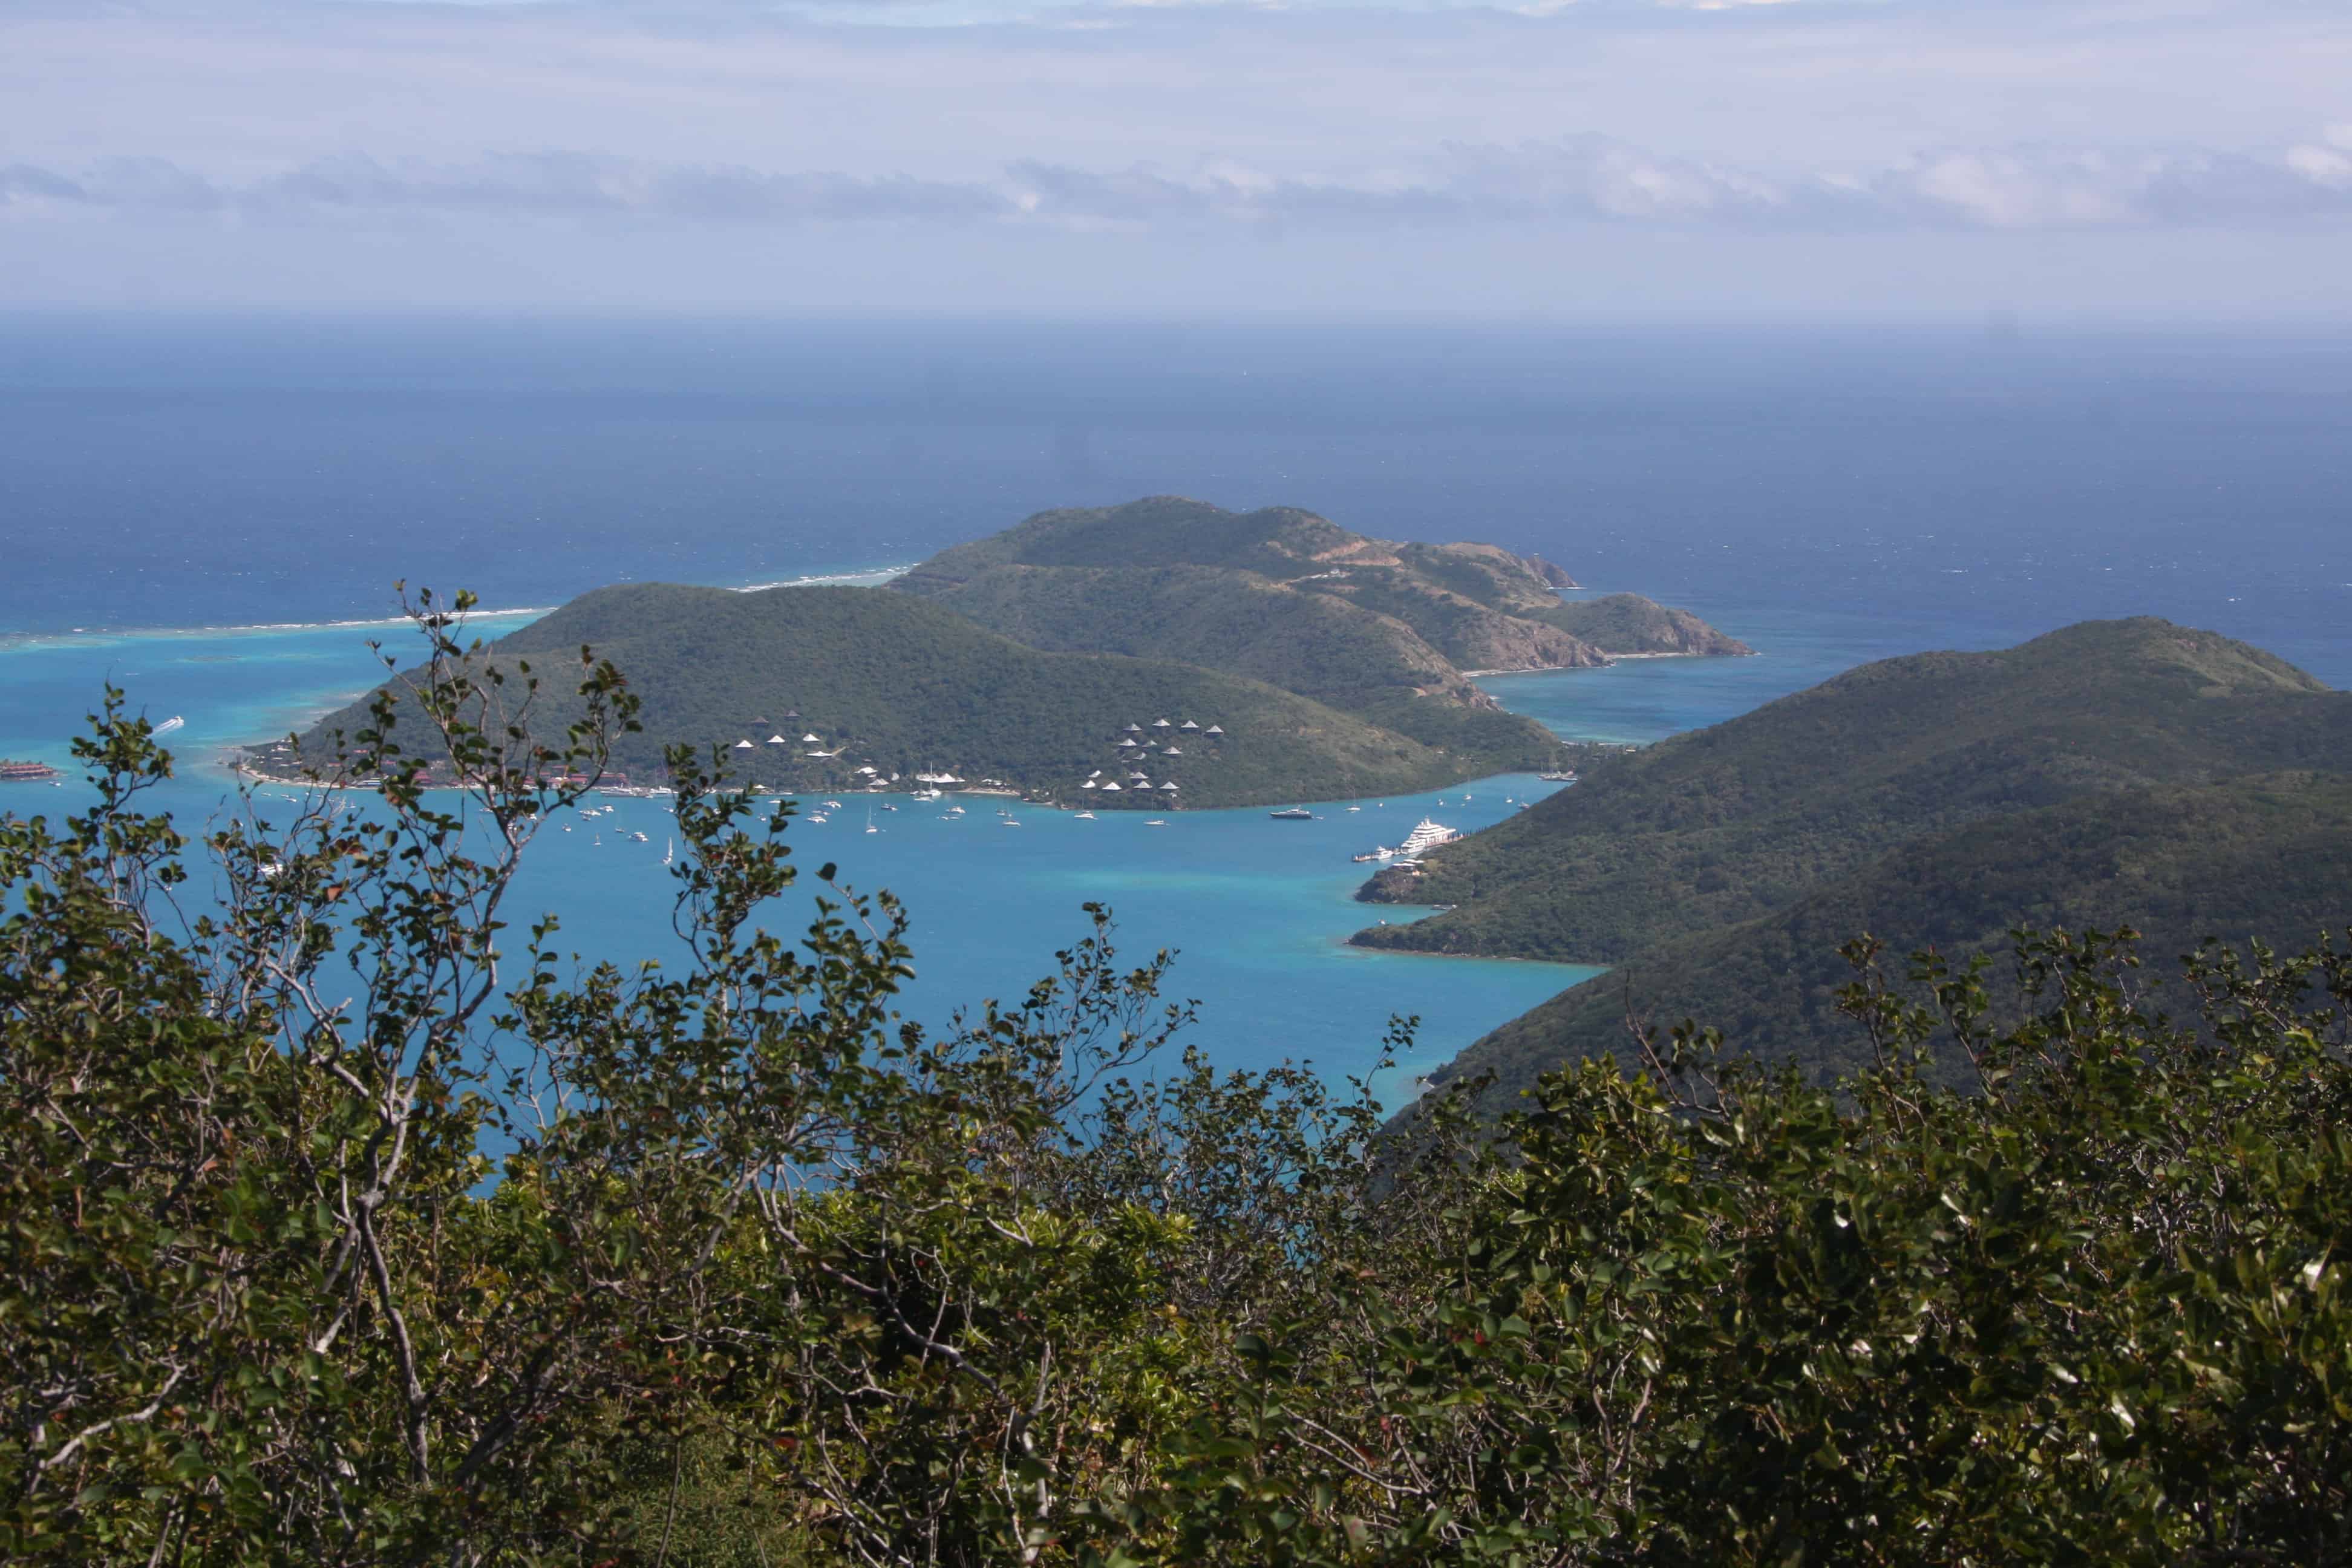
(330, 1236)
(2267, 858)
(899, 686)
(1742, 819)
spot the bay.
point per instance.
(1828, 498)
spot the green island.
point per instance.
(2133, 770)
(1388, 631)
(1158, 656)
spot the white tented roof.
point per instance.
(866, 770)
(778, 741)
(1091, 784)
(810, 738)
(1216, 729)
(1187, 724)
(1168, 787)
(1159, 723)
(1111, 785)
(744, 745)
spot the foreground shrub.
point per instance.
(330, 1234)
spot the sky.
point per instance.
(2067, 162)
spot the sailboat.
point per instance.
(669, 851)
(869, 821)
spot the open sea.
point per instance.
(212, 515)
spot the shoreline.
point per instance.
(235, 766)
(1604, 664)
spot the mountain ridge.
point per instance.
(1729, 823)
(1383, 628)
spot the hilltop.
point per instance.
(1743, 819)
(2266, 856)
(1385, 630)
(892, 686)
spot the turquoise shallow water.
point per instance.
(1829, 498)
(1258, 911)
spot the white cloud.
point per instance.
(1581, 181)
(617, 145)
(2322, 166)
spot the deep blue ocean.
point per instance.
(195, 511)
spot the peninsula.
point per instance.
(1163, 655)
(2116, 769)
(1385, 630)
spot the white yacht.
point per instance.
(1426, 835)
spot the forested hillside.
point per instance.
(1379, 629)
(2266, 858)
(1741, 820)
(891, 684)
(357, 1223)
(1332, 664)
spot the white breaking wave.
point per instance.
(87, 636)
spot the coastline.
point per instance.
(1612, 658)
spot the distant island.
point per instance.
(1163, 655)
(2124, 770)
(1388, 631)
